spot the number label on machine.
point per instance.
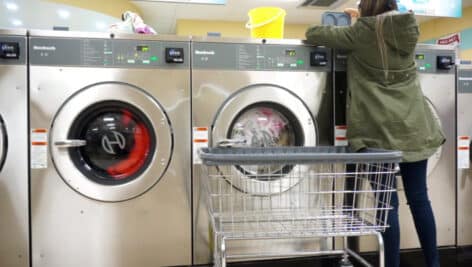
(200, 140)
(463, 152)
(39, 148)
(340, 135)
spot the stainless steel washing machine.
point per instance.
(14, 207)
(464, 172)
(267, 93)
(437, 74)
(110, 150)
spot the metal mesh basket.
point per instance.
(298, 191)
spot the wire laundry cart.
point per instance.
(297, 193)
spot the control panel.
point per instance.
(260, 57)
(12, 50)
(464, 80)
(108, 53)
(435, 60)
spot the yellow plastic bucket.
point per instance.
(266, 22)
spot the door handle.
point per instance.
(2, 144)
(231, 142)
(70, 143)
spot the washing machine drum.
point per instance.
(265, 116)
(111, 142)
(120, 143)
(265, 126)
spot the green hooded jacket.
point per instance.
(385, 106)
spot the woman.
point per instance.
(386, 108)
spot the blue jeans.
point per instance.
(414, 182)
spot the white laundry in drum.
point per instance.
(264, 126)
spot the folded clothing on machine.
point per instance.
(131, 23)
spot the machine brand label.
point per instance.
(8, 47)
(174, 52)
(109, 145)
(205, 52)
(10, 50)
(44, 48)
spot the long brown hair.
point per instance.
(379, 8)
(370, 8)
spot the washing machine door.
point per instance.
(264, 116)
(111, 142)
(433, 161)
(3, 143)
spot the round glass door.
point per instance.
(120, 143)
(3, 143)
(266, 125)
(264, 116)
(111, 142)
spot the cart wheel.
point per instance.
(345, 263)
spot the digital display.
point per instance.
(440, 8)
(142, 48)
(290, 53)
(419, 56)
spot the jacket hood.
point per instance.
(400, 30)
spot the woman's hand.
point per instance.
(353, 12)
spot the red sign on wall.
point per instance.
(453, 39)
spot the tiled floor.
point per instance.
(461, 257)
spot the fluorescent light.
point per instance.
(16, 22)
(63, 14)
(212, 2)
(216, 2)
(11, 6)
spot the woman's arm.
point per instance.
(344, 37)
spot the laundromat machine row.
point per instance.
(99, 137)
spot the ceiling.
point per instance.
(163, 16)
(38, 14)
